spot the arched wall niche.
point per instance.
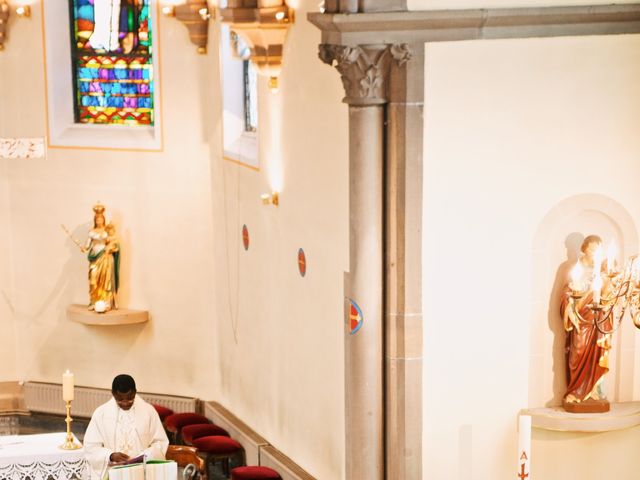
(556, 248)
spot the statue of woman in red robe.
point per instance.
(587, 349)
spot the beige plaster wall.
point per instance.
(513, 128)
(279, 335)
(156, 201)
(466, 4)
(242, 328)
(7, 325)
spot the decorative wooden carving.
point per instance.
(195, 16)
(263, 25)
(4, 19)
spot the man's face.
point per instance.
(125, 399)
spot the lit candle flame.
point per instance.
(596, 286)
(576, 277)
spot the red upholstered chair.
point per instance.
(219, 449)
(254, 473)
(190, 433)
(174, 423)
(163, 412)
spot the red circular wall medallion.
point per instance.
(356, 318)
(302, 262)
(245, 237)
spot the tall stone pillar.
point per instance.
(365, 75)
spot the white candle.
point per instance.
(597, 288)
(67, 386)
(598, 257)
(524, 447)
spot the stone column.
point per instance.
(365, 74)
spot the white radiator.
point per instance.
(47, 398)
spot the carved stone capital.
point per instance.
(365, 69)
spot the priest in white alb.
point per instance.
(122, 429)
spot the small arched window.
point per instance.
(240, 100)
(240, 50)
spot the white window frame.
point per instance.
(239, 146)
(62, 130)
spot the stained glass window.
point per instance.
(112, 61)
(250, 97)
(240, 50)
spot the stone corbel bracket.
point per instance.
(195, 14)
(364, 69)
(264, 29)
(4, 19)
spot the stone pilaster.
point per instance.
(403, 269)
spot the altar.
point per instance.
(39, 457)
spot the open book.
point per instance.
(155, 470)
(132, 460)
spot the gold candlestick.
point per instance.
(69, 443)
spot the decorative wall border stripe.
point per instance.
(22, 147)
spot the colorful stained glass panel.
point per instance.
(112, 61)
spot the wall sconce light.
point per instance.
(23, 11)
(273, 84)
(195, 15)
(270, 199)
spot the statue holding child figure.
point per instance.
(103, 252)
(593, 304)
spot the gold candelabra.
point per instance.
(69, 442)
(611, 297)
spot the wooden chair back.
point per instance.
(184, 455)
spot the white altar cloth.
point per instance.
(39, 457)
